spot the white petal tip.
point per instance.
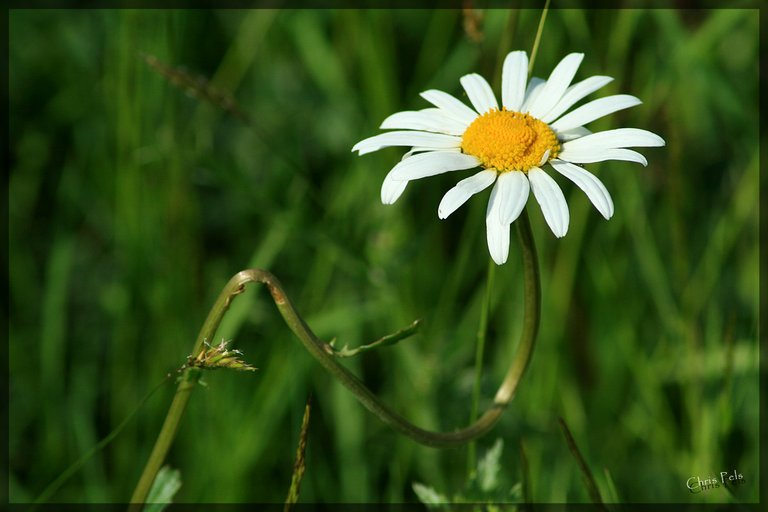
(499, 259)
(606, 210)
(391, 191)
(363, 150)
(445, 210)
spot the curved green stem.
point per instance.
(319, 350)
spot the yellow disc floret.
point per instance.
(509, 141)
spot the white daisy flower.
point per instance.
(511, 144)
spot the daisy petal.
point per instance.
(601, 155)
(589, 183)
(406, 138)
(432, 164)
(574, 93)
(618, 138)
(514, 74)
(430, 119)
(573, 133)
(391, 189)
(479, 92)
(535, 87)
(422, 149)
(463, 190)
(551, 200)
(452, 106)
(557, 83)
(513, 193)
(596, 109)
(497, 233)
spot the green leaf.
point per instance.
(389, 339)
(165, 486)
(488, 467)
(428, 496)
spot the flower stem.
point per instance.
(536, 41)
(324, 354)
(472, 448)
(187, 382)
(164, 440)
(480, 348)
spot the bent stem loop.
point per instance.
(319, 350)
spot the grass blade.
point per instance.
(299, 465)
(589, 480)
(525, 479)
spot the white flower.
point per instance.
(511, 144)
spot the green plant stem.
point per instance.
(321, 352)
(187, 382)
(539, 30)
(479, 349)
(472, 448)
(164, 440)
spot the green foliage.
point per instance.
(428, 496)
(132, 202)
(167, 483)
(486, 487)
(384, 341)
(488, 467)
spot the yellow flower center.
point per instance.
(509, 141)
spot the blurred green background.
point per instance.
(133, 201)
